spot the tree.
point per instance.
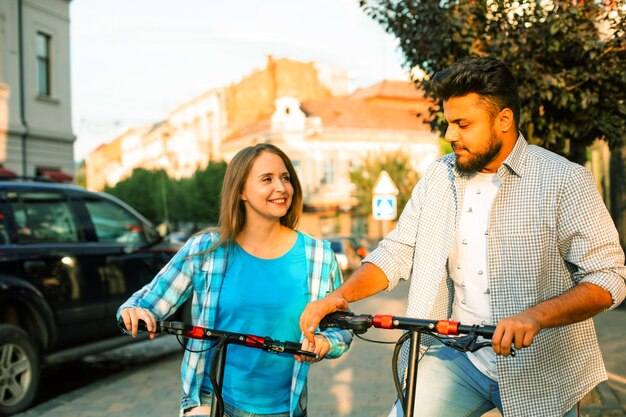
(397, 165)
(205, 193)
(141, 191)
(162, 199)
(568, 57)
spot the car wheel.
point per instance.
(19, 370)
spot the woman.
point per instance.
(254, 277)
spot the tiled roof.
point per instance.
(393, 105)
(244, 129)
(390, 89)
(361, 114)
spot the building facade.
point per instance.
(306, 110)
(192, 134)
(328, 138)
(36, 137)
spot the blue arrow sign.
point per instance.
(384, 207)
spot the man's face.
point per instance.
(475, 141)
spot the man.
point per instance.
(504, 233)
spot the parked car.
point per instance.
(346, 254)
(68, 259)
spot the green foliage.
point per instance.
(80, 178)
(397, 165)
(568, 59)
(205, 193)
(142, 192)
(160, 198)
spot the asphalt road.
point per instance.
(145, 377)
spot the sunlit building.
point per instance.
(306, 109)
(36, 137)
(329, 137)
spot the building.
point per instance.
(36, 137)
(302, 107)
(327, 138)
(191, 135)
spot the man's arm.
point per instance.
(367, 280)
(580, 303)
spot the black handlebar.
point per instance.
(194, 332)
(360, 323)
(441, 329)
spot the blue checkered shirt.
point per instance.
(200, 276)
(549, 230)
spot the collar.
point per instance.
(515, 162)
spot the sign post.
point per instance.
(384, 199)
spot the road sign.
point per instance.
(384, 201)
(384, 185)
(384, 207)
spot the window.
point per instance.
(43, 217)
(113, 223)
(298, 168)
(329, 172)
(43, 64)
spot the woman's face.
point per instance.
(267, 192)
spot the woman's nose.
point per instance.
(279, 185)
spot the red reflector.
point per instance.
(254, 341)
(196, 332)
(447, 327)
(383, 321)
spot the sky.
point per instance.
(132, 61)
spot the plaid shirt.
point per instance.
(201, 276)
(548, 231)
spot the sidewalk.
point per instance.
(357, 385)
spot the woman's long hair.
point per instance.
(232, 210)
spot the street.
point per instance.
(357, 385)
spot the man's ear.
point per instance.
(505, 120)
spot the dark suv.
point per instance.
(68, 259)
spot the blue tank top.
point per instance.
(263, 297)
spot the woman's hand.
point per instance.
(131, 317)
(321, 347)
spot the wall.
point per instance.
(48, 119)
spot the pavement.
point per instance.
(359, 384)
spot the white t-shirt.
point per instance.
(468, 264)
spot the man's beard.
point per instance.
(478, 162)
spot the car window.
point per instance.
(43, 217)
(113, 223)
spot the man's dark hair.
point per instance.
(486, 76)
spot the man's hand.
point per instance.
(580, 303)
(518, 330)
(315, 311)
